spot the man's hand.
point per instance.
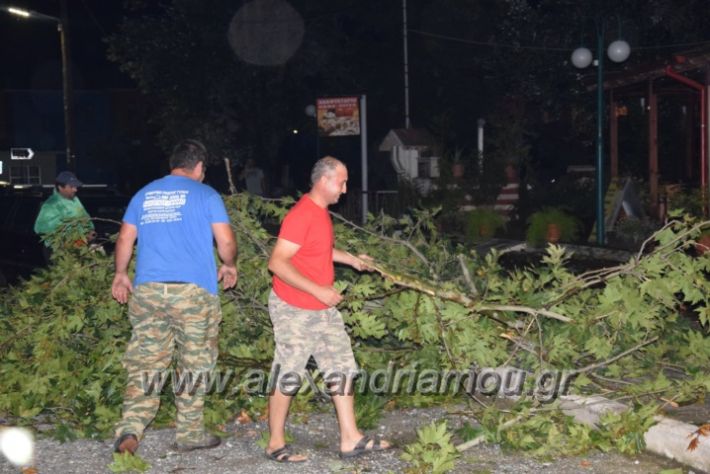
(227, 274)
(328, 295)
(362, 263)
(121, 287)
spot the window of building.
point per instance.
(25, 175)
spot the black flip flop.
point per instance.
(282, 455)
(361, 447)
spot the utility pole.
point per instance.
(407, 123)
(67, 84)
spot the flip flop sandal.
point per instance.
(282, 455)
(362, 448)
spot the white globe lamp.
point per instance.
(618, 51)
(581, 58)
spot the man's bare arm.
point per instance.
(281, 266)
(361, 262)
(121, 286)
(227, 251)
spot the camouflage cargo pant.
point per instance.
(167, 319)
(302, 333)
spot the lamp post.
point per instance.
(618, 51)
(66, 71)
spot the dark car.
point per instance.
(21, 249)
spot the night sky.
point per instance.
(31, 54)
(456, 76)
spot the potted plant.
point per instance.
(551, 225)
(457, 166)
(630, 232)
(482, 224)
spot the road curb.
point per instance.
(668, 437)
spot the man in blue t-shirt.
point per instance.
(173, 305)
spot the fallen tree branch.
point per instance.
(462, 299)
(228, 167)
(405, 243)
(594, 277)
(613, 359)
(527, 310)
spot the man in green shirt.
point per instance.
(61, 205)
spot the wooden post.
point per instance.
(689, 120)
(613, 136)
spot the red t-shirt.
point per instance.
(308, 225)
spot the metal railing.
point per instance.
(390, 201)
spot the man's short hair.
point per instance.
(187, 154)
(324, 166)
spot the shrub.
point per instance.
(539, 223)
(482, 224)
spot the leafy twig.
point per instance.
(254, 240)
(442, 335)
(527, 310)
(405, 243)
(613, 359)
(481, 438)
(467, 275)
(103, 219)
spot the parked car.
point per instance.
(21, 248)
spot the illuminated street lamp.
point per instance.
(66, 71)
(618, 51)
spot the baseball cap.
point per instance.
(68, 178)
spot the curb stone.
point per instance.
(668, 437)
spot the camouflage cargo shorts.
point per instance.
(169, 319)
(302, 333)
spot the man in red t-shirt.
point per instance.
(302, 310)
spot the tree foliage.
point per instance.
(637, 330)
(179, 54)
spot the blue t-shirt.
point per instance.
(174, 217)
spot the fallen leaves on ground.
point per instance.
(703, 430)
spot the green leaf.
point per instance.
(433, 449)
(128, 462)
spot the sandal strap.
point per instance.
(362, 444)
(281, 453)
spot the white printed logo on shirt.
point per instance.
(163, 206)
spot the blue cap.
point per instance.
(68, 178)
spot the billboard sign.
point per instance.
(338, 116)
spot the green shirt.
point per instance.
(55, 210)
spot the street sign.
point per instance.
(21, 153)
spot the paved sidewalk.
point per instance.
(316, 436)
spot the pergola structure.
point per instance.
(685, 75)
